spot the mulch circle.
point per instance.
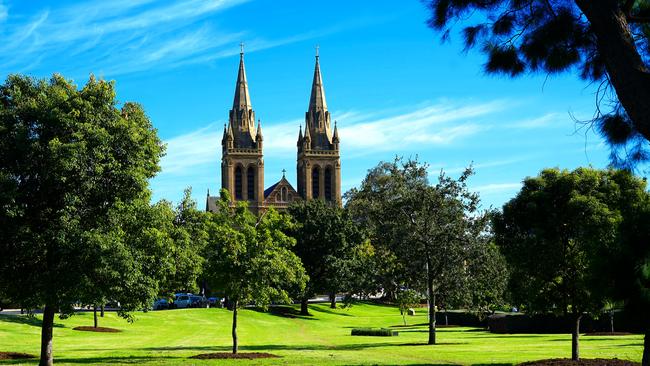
(608, 334)
(15, 356)
(227, 355)
(98, 329)
(581, 362)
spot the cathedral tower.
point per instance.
(319, 163)
(242, 162)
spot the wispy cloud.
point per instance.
(4, 11)
(187, 151)
(125, 36)
(435, 169)
(363, 133)
(497, 187)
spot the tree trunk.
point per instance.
(47, 358)
(234, 327)
(432, 312)
(627, 72)
(446, 318)
(95, 316)
(646, 349)
(304, 306)
(575, 338)
(333, 300)
(101, 313)
(611, 321)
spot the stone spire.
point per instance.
(336, 133)
(317, 100)
(259, 130)
(242, 97)
(242, 116)
(317, 118)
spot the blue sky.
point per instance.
(391, 85)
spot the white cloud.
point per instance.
(124, 36)
(497, 187)
(364, 133)
(540, 122)
(191, 150)
(4, 11)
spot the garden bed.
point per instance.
(97, 329)
(15, 356)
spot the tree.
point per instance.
(606, 41)
(250, 257)
(74, 203)
(625, 265)
(187, 230)
(407, 299)
(433, 230)
(553, 234)
(326, 243)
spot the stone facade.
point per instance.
(242, 161)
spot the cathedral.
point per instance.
(242, 160)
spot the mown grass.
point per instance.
(170, 337)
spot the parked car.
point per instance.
(182, 301)
(198, 301)
(215, 302)
(161, 304)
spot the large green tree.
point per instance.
(74, 198)
(327, 243)
(187, 229)
(250, 259)
(435, 231)
(605, 42)
(554, 234)
(624, 266)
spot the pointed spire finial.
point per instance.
(241, 48)
(259, 127)
(317, 48)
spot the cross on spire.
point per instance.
(241, 48)
(283, 172)
(317, 47)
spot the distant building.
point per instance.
(242, 160)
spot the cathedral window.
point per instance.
(328, 183)
(315, 182)
(284, 194)
(238, 183)
(250, 182)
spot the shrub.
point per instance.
(375, 332)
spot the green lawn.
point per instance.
(170, 337)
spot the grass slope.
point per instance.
(170, 337)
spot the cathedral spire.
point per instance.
(259, 130)
(317, 99)
(242, 97)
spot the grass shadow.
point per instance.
(327, 311)
(284, 347)
(284, 312)
(26, 320)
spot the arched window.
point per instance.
(315, 182)
(328, 183)
(238, 183)
(284, 194)
(250, 183)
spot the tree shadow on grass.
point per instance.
(110, 360)
(284, 312)
(307, 347)
(26, 320)
(327, 311)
